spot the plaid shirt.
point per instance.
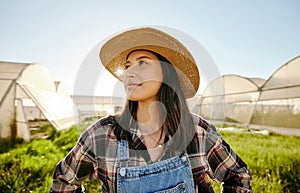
(95, 156)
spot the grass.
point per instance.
(273, 160)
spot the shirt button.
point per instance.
(183, 158)
(122, 172)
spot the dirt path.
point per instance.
(262, 128)
(279, 130)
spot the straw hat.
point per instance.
(114, 51)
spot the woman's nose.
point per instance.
(130, 72)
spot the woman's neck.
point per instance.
(149, 117)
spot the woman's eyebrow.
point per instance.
(141, 57)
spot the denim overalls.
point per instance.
(170, 175)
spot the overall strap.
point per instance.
(123, 153)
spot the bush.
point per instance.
(28, 167)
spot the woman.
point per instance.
(156, 144)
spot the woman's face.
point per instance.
(143, 76)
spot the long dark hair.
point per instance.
(179, 120)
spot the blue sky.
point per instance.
(248, 38)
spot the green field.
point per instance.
(273, 161)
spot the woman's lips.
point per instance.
(133, 85)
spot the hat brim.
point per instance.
(113, 54)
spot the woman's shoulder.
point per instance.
(104, 125)
(203, 124)
(106, 121)
(100, 137)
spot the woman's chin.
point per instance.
(132, 97)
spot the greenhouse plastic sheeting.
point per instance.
(253, 101)
(230, 98)
(21, 83)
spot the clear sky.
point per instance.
(248, 38)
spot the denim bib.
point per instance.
(172, 175)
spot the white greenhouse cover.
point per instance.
(230, 98)
(284, 83)
(253, 101)
(21, 83)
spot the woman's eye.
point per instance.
(139, 63)
(142, 62)
(126, 65)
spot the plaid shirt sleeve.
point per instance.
(224, 164)
(75, 168)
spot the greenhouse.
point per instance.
(28, 93)
(255, 102)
